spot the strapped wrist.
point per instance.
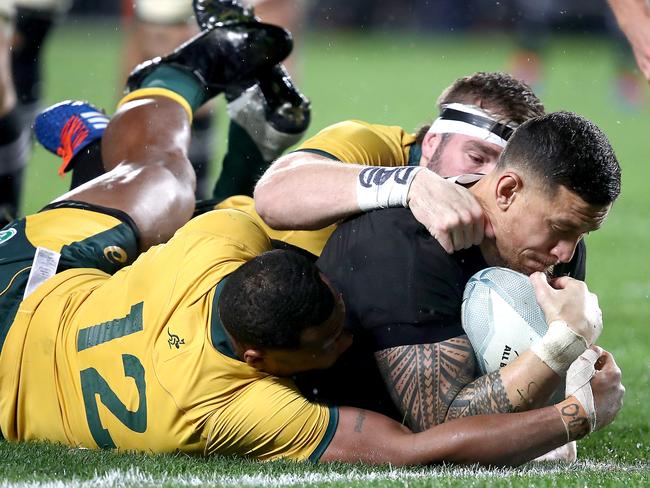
(559, 347)
(379, 187)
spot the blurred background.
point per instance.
(386, 62)
(383, 61)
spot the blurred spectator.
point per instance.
(24, 26)
(633, 17)
(534, 22)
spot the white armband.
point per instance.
(559, 347)
(380, 187)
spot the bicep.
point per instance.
(424, 379)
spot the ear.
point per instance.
(254, 358)
(508, 188)
(430, 144)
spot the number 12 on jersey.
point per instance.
(93, 385)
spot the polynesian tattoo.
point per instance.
(484, 395)
(424, 379)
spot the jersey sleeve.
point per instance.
(400, 287)
(271, 420)
(358, 142)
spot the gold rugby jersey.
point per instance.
(352, 141)
(139, 360)
(311, 240)
(355, 141)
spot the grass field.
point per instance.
(395, 80)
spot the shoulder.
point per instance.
(356, 141)
(381, 236)
(231, 228)
(391, 271)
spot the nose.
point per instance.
(564, 249)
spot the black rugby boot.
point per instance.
(209, 13)
(287, 109)
(223, 56)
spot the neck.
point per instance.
(488, 246)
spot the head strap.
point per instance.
(458, 118)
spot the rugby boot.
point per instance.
(68, 127)
(287, 109)
(273, 113)
(209, 13)
(223, 56)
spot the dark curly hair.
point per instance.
(270, 300)
(508, 99)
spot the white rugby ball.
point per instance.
(500, 316)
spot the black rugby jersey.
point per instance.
(400, 287)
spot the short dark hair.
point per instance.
(563, 148)
(509, 100)
(269, 301)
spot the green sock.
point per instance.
(243, 165)
(179, 81)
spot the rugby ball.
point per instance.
(500, 316)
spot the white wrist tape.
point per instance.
(578, 384)
(380, 187)
(559, 347)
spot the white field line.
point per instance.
(135, 477)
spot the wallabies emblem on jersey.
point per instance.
(115, 254)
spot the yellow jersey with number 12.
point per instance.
(140, 361)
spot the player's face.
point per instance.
(539, 230)
(458, 154)
(320, 346)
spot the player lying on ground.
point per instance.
(327, 190)
(554, 182)
(477, 116)
(180, 350)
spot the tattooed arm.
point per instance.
(434, 383)
(363, 436)
(495, 439)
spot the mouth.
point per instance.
(539, 265)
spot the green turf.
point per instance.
(395, 80)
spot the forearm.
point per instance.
(524, 384)
(307, 191)
(497, 439)
(628, 12)
(511, 439)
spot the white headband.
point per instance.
(458, 118)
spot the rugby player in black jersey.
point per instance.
(555, 181)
